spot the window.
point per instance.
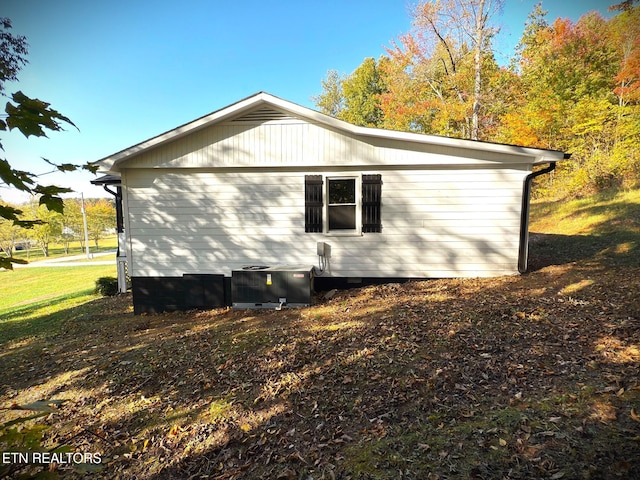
(344, 205)
(341, 204)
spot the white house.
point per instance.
(267, 182)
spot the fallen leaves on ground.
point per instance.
(535, 376)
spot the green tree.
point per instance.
(361, 91)
(10, 235)
(72, 223)
(331, 100)
(46, 225)
(101, 217)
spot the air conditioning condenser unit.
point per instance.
(272, 287)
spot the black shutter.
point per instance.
(371, 203)
(313, 203)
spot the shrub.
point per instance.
(107, 286)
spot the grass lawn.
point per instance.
(33, 300)
(609, 213)
(519, 377)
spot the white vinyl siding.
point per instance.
(296, 143)
(436, 222)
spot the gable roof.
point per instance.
(260, 107)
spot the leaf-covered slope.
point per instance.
(533, 376)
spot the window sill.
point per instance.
(349, 233)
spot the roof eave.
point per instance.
(540, 155)
(110, 164)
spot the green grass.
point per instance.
(604, 213)
(605, 227)
(57, 250)
(30, 296)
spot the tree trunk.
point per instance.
(477, 87)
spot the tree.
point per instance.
(578, 82)
(455, 23)
(427, 87)
(331, 100)
(354, 98)
(46, 227)
(530, 40)
(623, 6)
(9, 236)
(101, 216)
(13, 50)
(32, 117)
(625, 33)
(361, 92)
(437, 75)
(72, 223)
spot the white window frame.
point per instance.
(357, 231)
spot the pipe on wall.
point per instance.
(523, 252)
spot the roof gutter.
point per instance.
(523, 253)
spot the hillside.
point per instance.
(532, 376)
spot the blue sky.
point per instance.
(126, 70)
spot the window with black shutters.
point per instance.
(343, 205)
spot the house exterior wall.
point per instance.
(437, 222)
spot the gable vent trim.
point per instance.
(263, 115)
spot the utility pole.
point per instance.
(86, 229)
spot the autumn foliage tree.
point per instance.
(577, 85)
(571, 86)
(433, 79)
(101, 217)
